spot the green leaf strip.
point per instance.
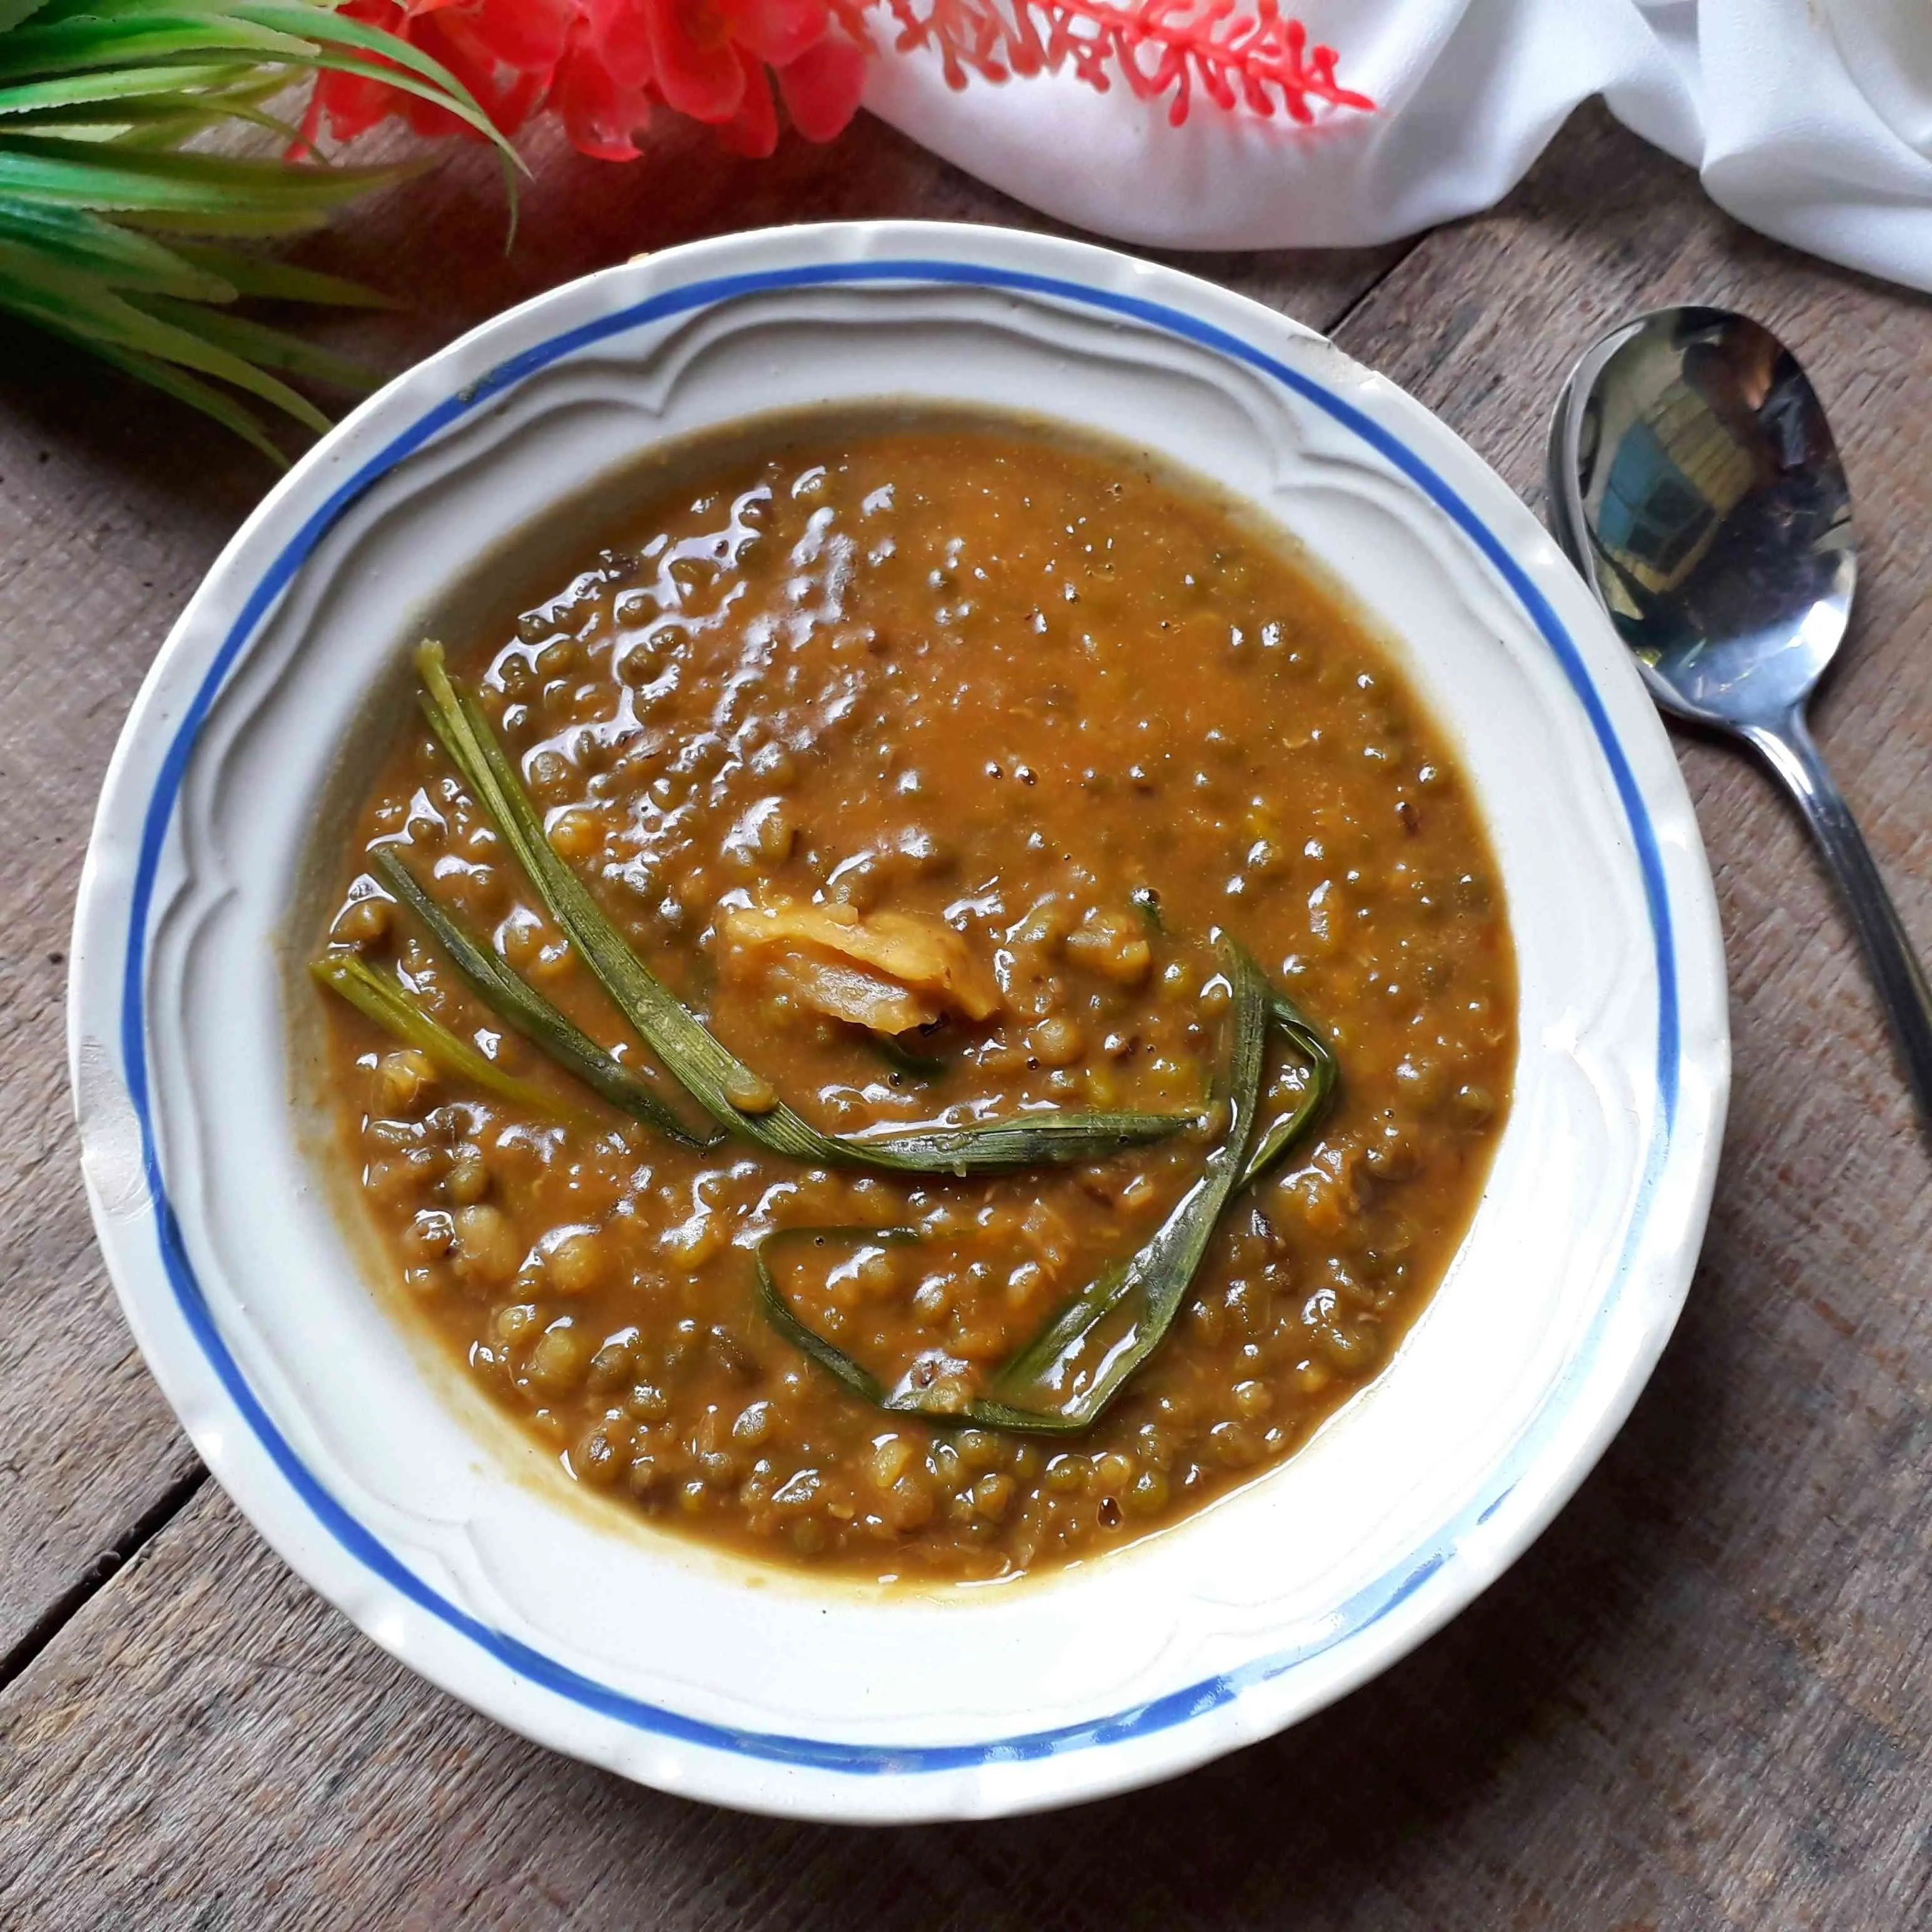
(518, 1004)
(118, 257)
(264, 346)
(276, 281)
(74, 46)
(218, 218)
(212, 402)
(1063, 1380)
(1324, 1079)
(78, 303)
(381, 997)
(851, 1375)
(733, 1093)
(85, 174)
(116, 84)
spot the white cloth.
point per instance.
(1809, 120)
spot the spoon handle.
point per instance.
(1787, 748)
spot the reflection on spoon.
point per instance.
(1693, 481)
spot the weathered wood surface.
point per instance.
(1703, 1699)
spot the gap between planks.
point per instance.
(106, 1564)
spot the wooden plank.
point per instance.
(443, 242)
(207, 1744)
(1786, 1446)
(112, 504)
(1701, 1701)
(102, 535)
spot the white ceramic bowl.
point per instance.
(426, 1523)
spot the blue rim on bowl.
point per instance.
(110, 977)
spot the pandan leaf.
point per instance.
(516, 1002)
(380, 997)
(1066, 1378)
(735, 1095)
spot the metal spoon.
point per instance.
(1694, 482)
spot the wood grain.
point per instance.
(96, 556)
(1704, 1699)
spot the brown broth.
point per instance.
(956, 672)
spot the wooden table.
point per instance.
(1703, 1699)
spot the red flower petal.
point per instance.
(778, 31)
(599, 113)
(506, 95)
(526, 34)
(353, 105)
(302, 147)
(699, 71)
(518, 102)
(617, 34)
(754, 129)
(821, 87)
(601, 64)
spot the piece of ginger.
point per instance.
(891, 971)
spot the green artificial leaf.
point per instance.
(215, 403)
(72, 46)
(275, 281)
(98, 99)
(115, 84)
(120, 257)
(80, 175)
(266, 347)
(30, 285)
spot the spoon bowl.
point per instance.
(1697, 466)
(1694, 482)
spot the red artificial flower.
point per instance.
(821, 87)
(602, 87)
(601, 64)
(710, 57)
